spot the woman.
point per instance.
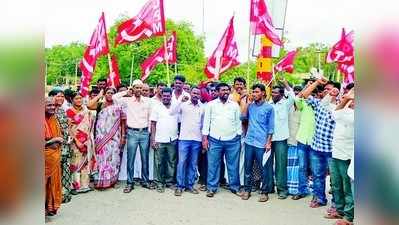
(109, 138)
(65, 149)
(52, 156)
(80, 119)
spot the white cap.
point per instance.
(137, 82)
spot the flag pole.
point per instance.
(166, 59)
(131, 71)
(45, 77)
(176, 68)
(76, 73)
(249, 55)
(110, 69)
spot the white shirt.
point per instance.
(166, 127)
(222, 121)
(176, 100)
(191, 120)
(281, 112)
(137, 112)
(344, 138)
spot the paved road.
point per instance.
(144, 207)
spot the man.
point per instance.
(138, 112)
(281, 107)
(52, 159)
(304, 139)
(178, 92)
(321, 146)
(189, 141)
(146, 90)
(221, 136)
(101, 84)
(187, 88)
(158, 92)
(292, 161)
(238, 92)
(163, 141)
(258, 141)
(342, 153)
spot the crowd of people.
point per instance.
(212, 134)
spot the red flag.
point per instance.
(98, 46)
(287, 63)
(149, 22)
(225, 55)
(114, 79)
(343, 50)
(343, 53)
(261, 22)
(159, 56)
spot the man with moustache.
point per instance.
(191, 113)
(221, 136)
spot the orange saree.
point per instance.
(52, 166)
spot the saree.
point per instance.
(82, 148)
(65, 156)
(107, 146)
(52, 167)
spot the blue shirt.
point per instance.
(282, 110)
(260, 124)
(325, 124)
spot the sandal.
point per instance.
(333, 216)
(161, 189)
(128, 189)
(316, 205)
(203, 188)
(263, 198)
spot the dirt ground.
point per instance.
(148, 207)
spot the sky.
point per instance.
(307, 21)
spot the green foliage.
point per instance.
(61, 60)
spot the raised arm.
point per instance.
(117, 97)
(93, 103)
(308, 90)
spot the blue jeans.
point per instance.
(303, 157)
(137, 139)
(231, 149)
(253, 153)
(187, 165)
(319, 165)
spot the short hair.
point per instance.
(161, 84)
(220, 85)
(94, 91)
(110, 88)
(297, 88)
(102, 80)
(260, 86)
(350, 86)
(195, 87)
(180, 77)
(55, 92)
(240, 79)
(334, 84)
(167, 89)
(122, 86)
(280, 89)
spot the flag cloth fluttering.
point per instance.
(343, 54)
(149, 22)
(97, 47)
(261, 22)
(159, 56)
(114, 79)
(225, 56)
(287, 63)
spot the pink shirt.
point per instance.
(137, 112)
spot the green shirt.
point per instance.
(307, 122)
